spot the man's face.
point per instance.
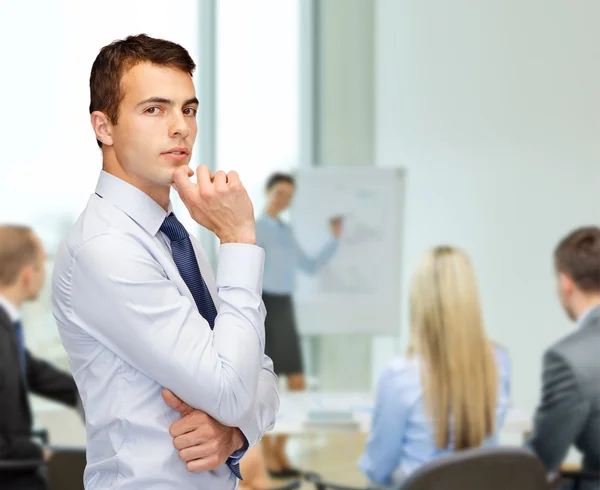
(35, 274)
(156, 127)
(565, 287)
(280, 196)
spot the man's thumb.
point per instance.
(174, 402)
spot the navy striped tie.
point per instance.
(185, 260)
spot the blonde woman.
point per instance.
(451, 391)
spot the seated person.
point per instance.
(22, 275)
(451, 390)
(569, 410)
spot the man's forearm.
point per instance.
(267, 405)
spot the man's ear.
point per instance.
(26, 275)
(102, 127)
(566, 283)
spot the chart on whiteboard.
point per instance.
(361, 264)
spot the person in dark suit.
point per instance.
(22, 275)
(569, 410)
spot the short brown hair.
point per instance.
(277, 177)
(578, 256)
(18, 248)
(120, 56)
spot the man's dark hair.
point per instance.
(117, 58)
(277, 177)
(578, 256)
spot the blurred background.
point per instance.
(490, 109)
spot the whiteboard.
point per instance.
(358, 289)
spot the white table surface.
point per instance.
(296, 409)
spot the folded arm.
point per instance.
(151, 326)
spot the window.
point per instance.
(50, 159)
(258, 96)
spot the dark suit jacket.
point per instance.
(569, 411)
(15, 412)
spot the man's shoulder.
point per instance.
(97, 222)
(578, 352)
(581, 339)
(102, 232)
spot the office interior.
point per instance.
(491, 110)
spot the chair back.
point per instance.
(495, 468)
(66, 467)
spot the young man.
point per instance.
(137, 306)
(22, 275)
(569, 410)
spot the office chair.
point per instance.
(65, 468)
(579, 476)
(498, 468)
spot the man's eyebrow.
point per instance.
(162, 100)
(156, 100)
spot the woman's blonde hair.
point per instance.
(459, 372)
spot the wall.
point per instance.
(494, 110)
(344, 136)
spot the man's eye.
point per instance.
(152, 110)
(190, 111)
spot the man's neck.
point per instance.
(158, 193)
(13, 296)
(271, 212)
(586, 304)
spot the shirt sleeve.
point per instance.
(122, 297)
(504, 388)
(383, 452)
(311, 264)
(265, 410)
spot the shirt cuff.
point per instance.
(241, 265)
(239, 454)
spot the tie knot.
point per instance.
(174, 229)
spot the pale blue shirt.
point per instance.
(402, 435)
(130, 327)
(284, 256)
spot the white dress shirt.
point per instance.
(11, 310)
(130, 327)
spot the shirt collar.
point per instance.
(11, 310)
(592, 311)
(134, 202)
(272, 221)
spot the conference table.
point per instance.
(300, 413)
(305, 413)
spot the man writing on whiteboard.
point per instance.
(283, 257)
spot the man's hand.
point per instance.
(219, 203)
(203, 443)
(47, 454)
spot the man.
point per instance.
(136, 303)
(22, 275)
(569, 410)
(283, 257)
